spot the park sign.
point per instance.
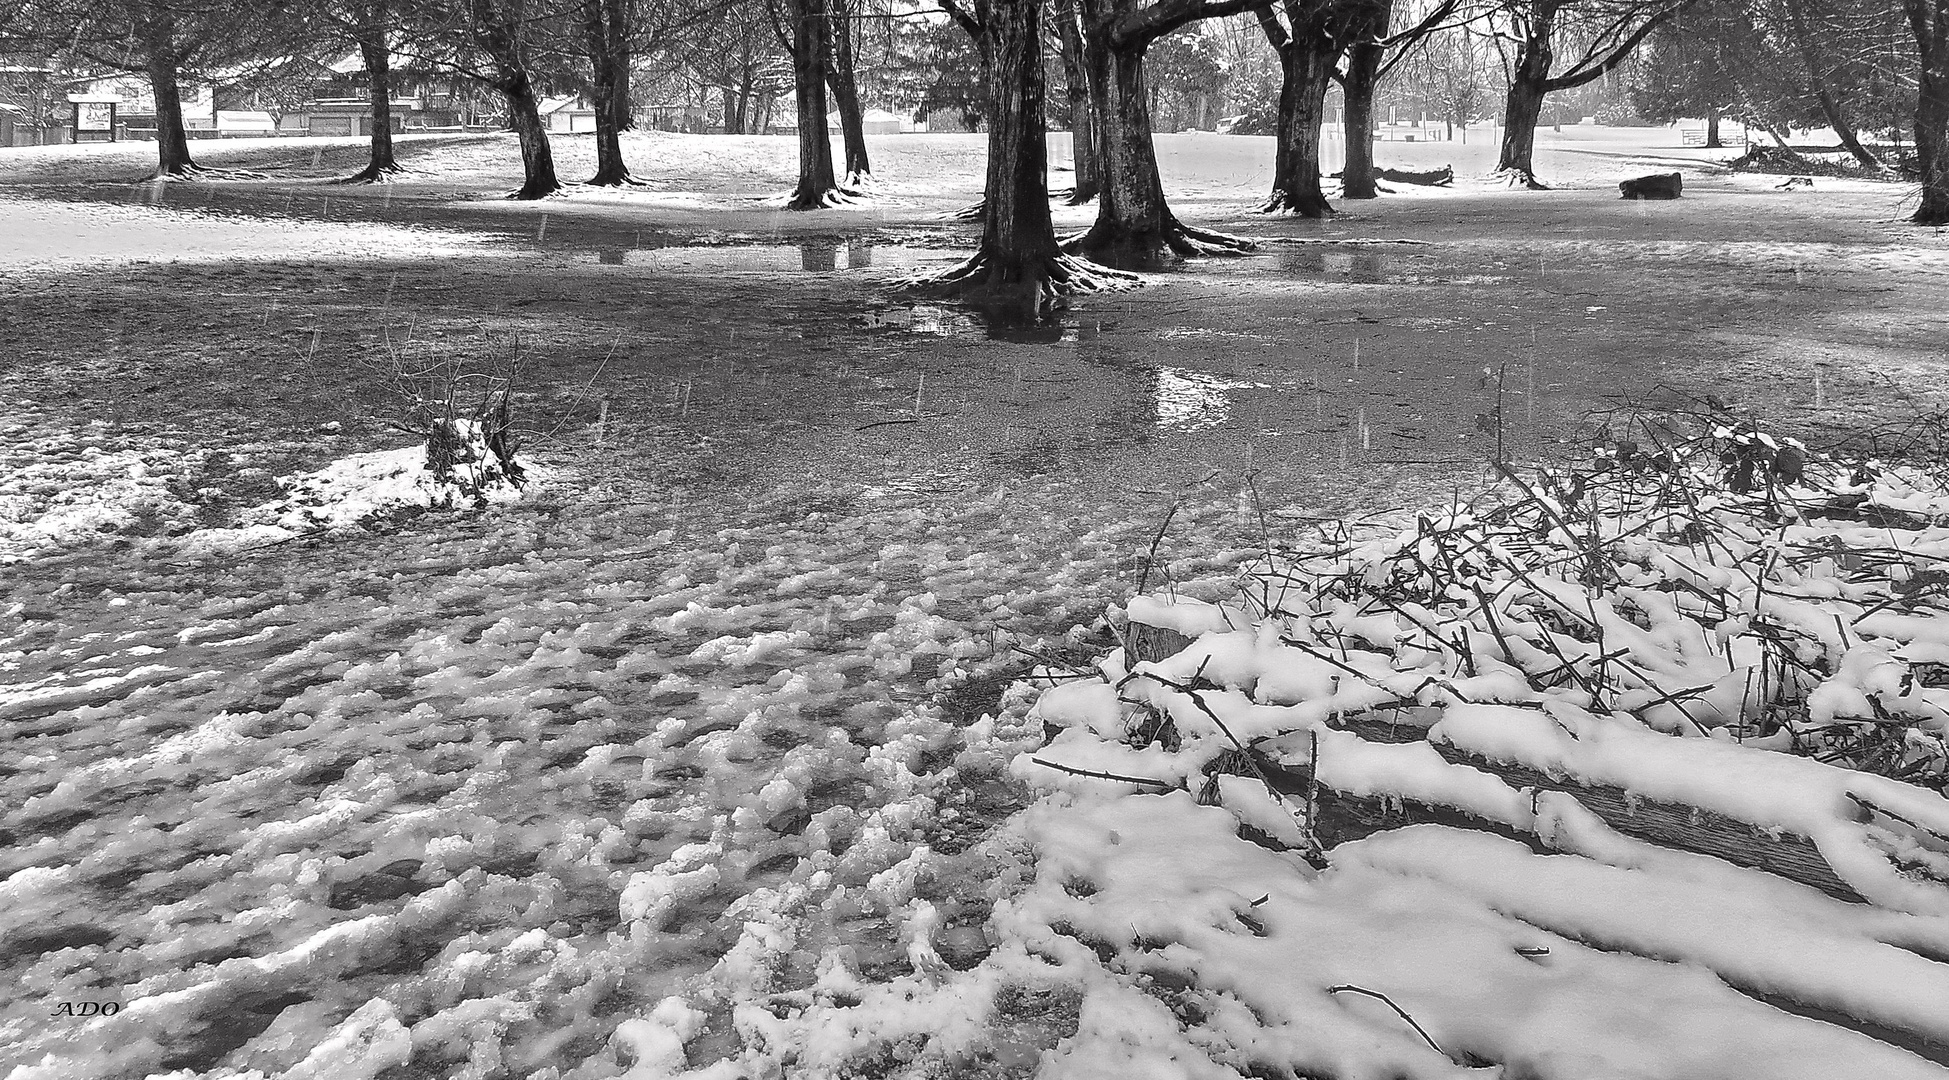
(94, 116)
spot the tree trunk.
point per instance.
(1363, 71)
(499, 38)
(1712, 130)
(845, 94)
(172, 140)
(1306, 68)
(1134, 225)
(1523, 107)
(1831, 110)
(1932, 108)
(537, 159)
(606, 40)
(376, 54)
(818, 187)
(1019, 272)
(1083, 137)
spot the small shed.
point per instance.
(568, 115)
(872, 122)
(351, 116)
(245, 123)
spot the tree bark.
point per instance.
(845, 94)
(1712, 130)
(1930, 23)
(1306, 69)
(499, 36)
(1831, 110)
(1083, 137)
(606, 35)
(818, 186)
(1134, 225)
(1523, 107)
(1020, 272)
(172, 140)
(376, 54)
(537, 158)
(1363, 72)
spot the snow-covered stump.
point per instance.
(475, 458)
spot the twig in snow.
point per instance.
(1095, 775)
(1349, 988)
(1151, 559)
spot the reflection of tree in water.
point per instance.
(819, 255)
(859, 254)
(610, 256)
(1362, 267)
(1082, 399)
(1303, 260)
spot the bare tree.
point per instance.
(370, 24)
(1309, 44)
(843, 83)
(1085, 141)
(1534, 30)
(1134, 224)
(1371, 54)
(163, 40)
(803, 28)
(1929, 21)
(1019, 271)
(503, 33)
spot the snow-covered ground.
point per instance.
(710, 752)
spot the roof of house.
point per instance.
(565, 104)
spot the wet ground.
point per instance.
(796, 520)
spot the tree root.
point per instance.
(1519, 178)
(1306, 205)
(1031, 290)
(627, 179)
(1188, 241)
(826, 200)
(1115, 247)
(530, 192)
(371, 174)
(199, 173)
(859, 183)
(973, 214)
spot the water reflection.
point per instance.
(1359, 267)
(1195, 400)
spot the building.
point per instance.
(568, 115)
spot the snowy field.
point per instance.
(712, 753)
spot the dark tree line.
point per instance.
(1827, 60)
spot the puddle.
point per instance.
(1368, 267)
(819, 256)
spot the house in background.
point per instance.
(33, 111)
(872, 122)
(568, 115)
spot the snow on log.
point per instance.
(1349, 815)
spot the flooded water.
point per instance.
(523, 773)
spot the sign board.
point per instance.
(94, 116)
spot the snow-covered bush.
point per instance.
(1731, 585)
